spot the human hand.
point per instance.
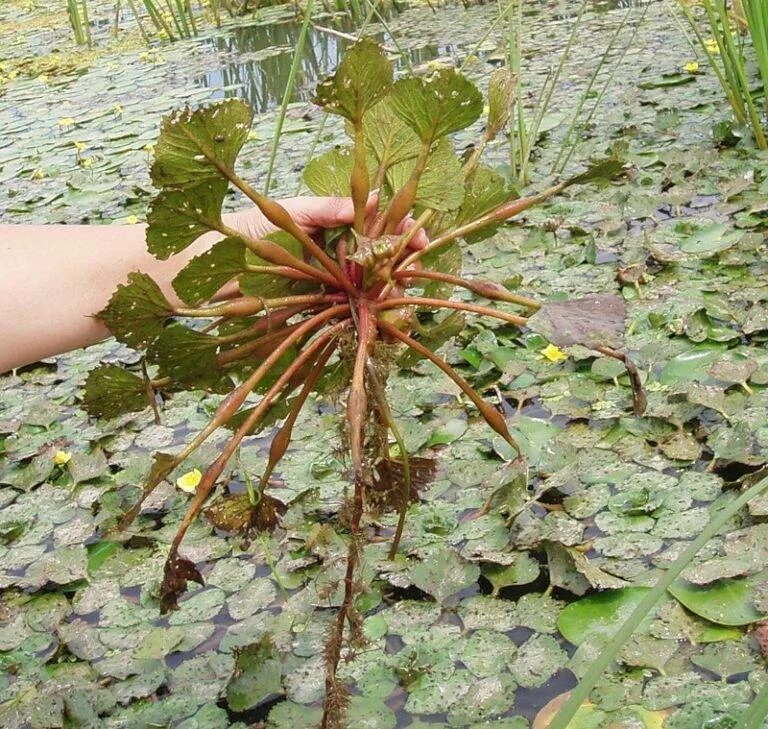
(314, 214)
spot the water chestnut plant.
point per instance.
(329, 313)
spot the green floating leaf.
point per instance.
(437, 188)
(727, 602)
(604, 170)
(437, 105)
(442, 573)
(205, 274)
(194, 146)
(100, 552)
(137, 311)
(594, 321)
(598, 615)
(177, 218)
(111, 391)
(189, 358)
(363, 78)
(257, 676)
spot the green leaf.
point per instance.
(190, 141)
(177, 218)
(329, 174)
(485, 190)
(257, 676)
(100, 552)
(205, 274)
(442, 573)
(188, 357)
(388, 138)
(271, 286)
(434, 337)
(502, 89)
(111, 391)
(446, 259)
(523, 570)
(598, 615)
(726, 602)
(363, 78)
(437, 105)
(137, 311)
(437, 185)
(605, 170)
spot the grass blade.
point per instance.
(298, 53)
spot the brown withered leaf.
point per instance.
(386, 492)
(236, 514)
(594, 321)
(176, 573)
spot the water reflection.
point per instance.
(262, 56)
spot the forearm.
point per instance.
(54, 278)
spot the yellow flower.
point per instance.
(132, 220)
(38, 174)
(188, 482)
(87, 162)
(61, 458)
(711, 45)
(66, 121)
(149, 147)
(691, 67)
(553, 353)
(117, 109)
(252, 135)
(79, 146)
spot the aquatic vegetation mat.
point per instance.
(510, 576)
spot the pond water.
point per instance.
(472, 625)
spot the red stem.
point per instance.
(520, 321)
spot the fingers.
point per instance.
(419, 240)
(315, 213)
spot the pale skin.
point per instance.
(54, 278)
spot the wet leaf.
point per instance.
(388, 137)
(726, 602)
(594, 321)
(188, 357)
(329, 174)
(236, 514)
(111, 391)
(176, 573)
(257, 676)
(433, 337)
(205, 274)
(442, 573)
(190, 140)
(437, 188)
(137, 311)
(598, 616)
(362, 79)
(178, 217)
(436, 105)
